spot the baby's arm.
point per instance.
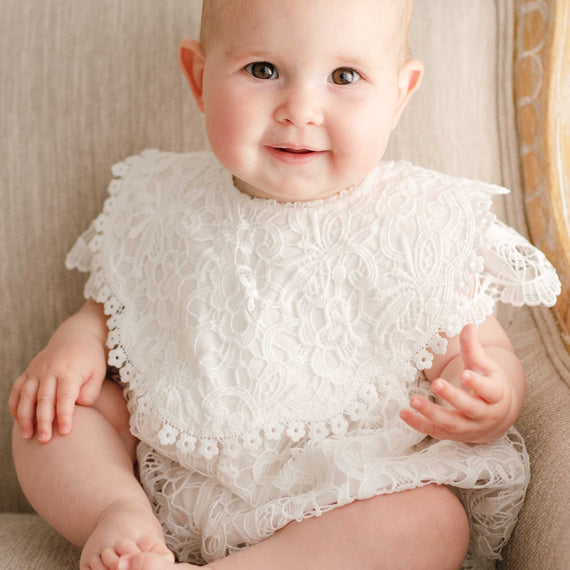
(481, 383)
(70, 370)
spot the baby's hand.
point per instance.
(70, 370)
(480, 412)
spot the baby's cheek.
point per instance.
(223, 132)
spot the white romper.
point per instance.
(266, 349)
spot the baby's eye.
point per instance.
(262, 70)
(344, 76)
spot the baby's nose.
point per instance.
(301, 105)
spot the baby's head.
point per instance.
(300, 96)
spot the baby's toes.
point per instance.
(110, 559)
(112, 556)
(150, 544)
(146, 561)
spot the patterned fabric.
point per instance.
(268, 348)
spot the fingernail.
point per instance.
(43, 437)
(64, 430)
(438, 385)
(123, 564)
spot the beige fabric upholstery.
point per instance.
(85, 84)
(542, 537)
(28, 543)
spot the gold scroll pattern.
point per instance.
(542, 91)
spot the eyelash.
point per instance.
(269, 71)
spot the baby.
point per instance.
(275, 308)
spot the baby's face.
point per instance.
(300, 96)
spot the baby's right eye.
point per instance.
(262, 70)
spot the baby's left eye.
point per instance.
(344, 76)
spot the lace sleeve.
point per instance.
(84, 253)
(81, 255)
(515, 271)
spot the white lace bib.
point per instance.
(237, 319)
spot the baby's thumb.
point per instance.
(472, 353)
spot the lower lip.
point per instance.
(294, 157)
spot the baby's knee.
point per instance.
(443, 526)
(455, 523)
(423, 528)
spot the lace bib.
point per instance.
(235, 320)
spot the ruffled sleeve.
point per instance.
(481, 261)
(81, 255)
(515, 271)
(84, 255)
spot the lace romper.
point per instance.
(266, 349)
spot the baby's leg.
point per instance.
(84, 485)
(421, 529)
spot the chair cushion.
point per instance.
(27, 542)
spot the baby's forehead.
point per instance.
(218, 16)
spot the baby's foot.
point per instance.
(127, 526)
(145, 561)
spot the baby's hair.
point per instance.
(407, 7)
(214, 10)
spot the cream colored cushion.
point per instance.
(28, 543)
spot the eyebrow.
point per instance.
(234, 52)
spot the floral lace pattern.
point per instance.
(248, 332)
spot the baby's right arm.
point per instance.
(69, 370)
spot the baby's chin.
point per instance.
(287, 192)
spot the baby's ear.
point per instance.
(191, 59)
(409, 80)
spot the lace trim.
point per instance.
(474, 306)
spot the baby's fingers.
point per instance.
(67, 395)
(467, 404)
(436, 421)
(472, 353)
(45, 408)
(25, 405)
(488, 388)
(14, 398)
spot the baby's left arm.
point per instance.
(481, 384)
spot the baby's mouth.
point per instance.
(295, 150)
(293, 155)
